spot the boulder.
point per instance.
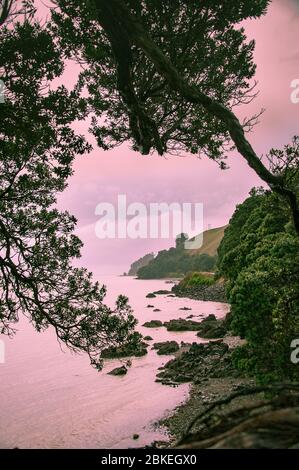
(148, 338)
(166, 347)
(118, 371)
(153, 324)
(150, 295)
(211, 360)
(162, 292)
(210, 329)
(181, 324)
(210, 317)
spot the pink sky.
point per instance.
(101, 176)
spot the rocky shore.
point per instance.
(209, 369)
(212, 293)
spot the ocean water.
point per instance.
(52, 398)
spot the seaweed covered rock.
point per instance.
(211, 360)
(210, 329)
(181, 324)
(153, 324)
(151, 295)
(118, 371)
(166, 347)
(162, 292)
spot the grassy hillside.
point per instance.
(177, 261)
(211, 241)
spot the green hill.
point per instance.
(177, 261)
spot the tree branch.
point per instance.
(134, 30)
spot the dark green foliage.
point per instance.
(37, 243)
(176, 262)
(259, 255)
(204, 44)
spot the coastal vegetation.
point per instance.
(259, 258)
(38, 146)
(143, 261)
(178, 261)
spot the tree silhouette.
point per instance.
(167, 75)
(37, 244)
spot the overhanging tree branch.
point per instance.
(116, 13)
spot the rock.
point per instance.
(148, 338)
(210, 317)
(156, 310)
(166, 347)
(213, 293)
(150, 295)
(199, 362)
(185, 345)
(190, 316)
(135, 436)
(153, 324)
(150, 306)
(227, 320)
(171, 295)
(214, 332)
(162, 292)
(118, 371)
(185, 308)
(210, 329)
(182, 325)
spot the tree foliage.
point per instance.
(37, 243)
(259, 256)
(169, 95)
(127, 89)
(176, 262)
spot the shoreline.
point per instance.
(212, 293)
(200, 396)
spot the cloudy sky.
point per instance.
(101, 176)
